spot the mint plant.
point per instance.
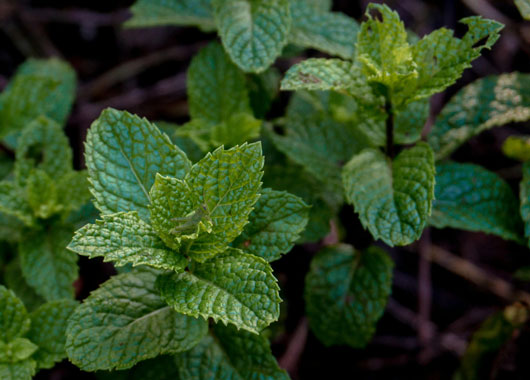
(254, 32)
(201, 236)
(31, 341)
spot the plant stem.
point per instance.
(389, 129)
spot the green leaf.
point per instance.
(124, 322)
(13, 202)
(211, 76)
(148, 13)
(383, 49)
(228, 185)
(17, 350)
(441, 58)
(263, 89)
(14, 319)
(238, 129)
(42, 194)
(73, 188)
(42, 145)
(227, 353)
(524, 8)
(124, 238)
(176, 214)
(331, 32)
(322, 74)
(485, 343)
(48, 331)
(393, 199)
(320, 144)
(484, 104)
(275, 224)
(346, 293)
(471, 198)
(517, 147)
(16, 282)
(23, 370)
(123, 155)
(524, 195)
(253, 32)
(40, 87)
(233, 287)
(46, 263)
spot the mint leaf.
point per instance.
(211, 76)
(517, 147)
(13, 203)
(42, 145)
(233, 287)
(176, 213)
(124, 322)
(393, 199)
(14, 319)
(39, 87)
(124, 238)
(346, 293)
(322, 74)
(123, 155)
(239, 128)
(227, 353)
(471, 198)
(496, 101)
(17, 350)
(275, 224)
(524, 8)
(73, 190)
(253, 32)
(48, 328)
(42, 194)
(320, 144)
(330, 32)
(46, 263)
(227, 183)
(177, 12)
(23, 370)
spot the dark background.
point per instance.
(434, 308)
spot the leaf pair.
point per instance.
(29, 342)
(254, 32)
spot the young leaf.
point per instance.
(346, 293)
(274, 225)
(14, 319)
(176, 213)
(211, 76)
(517, 147)
(124, 322)
(123, 155)
(48, 328)
(46, 263)
(42, 194)
(148, 13)
(13, 203)
(471, 198)
(238, 129)
(228, 184)
(124, 238)
(330, 32)
(393, 199)
(227, 353)
(496, 101)
(17, 350)
(441, 58)
(233, 287)
(39, 87)
(42, 145)
(253, 32)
